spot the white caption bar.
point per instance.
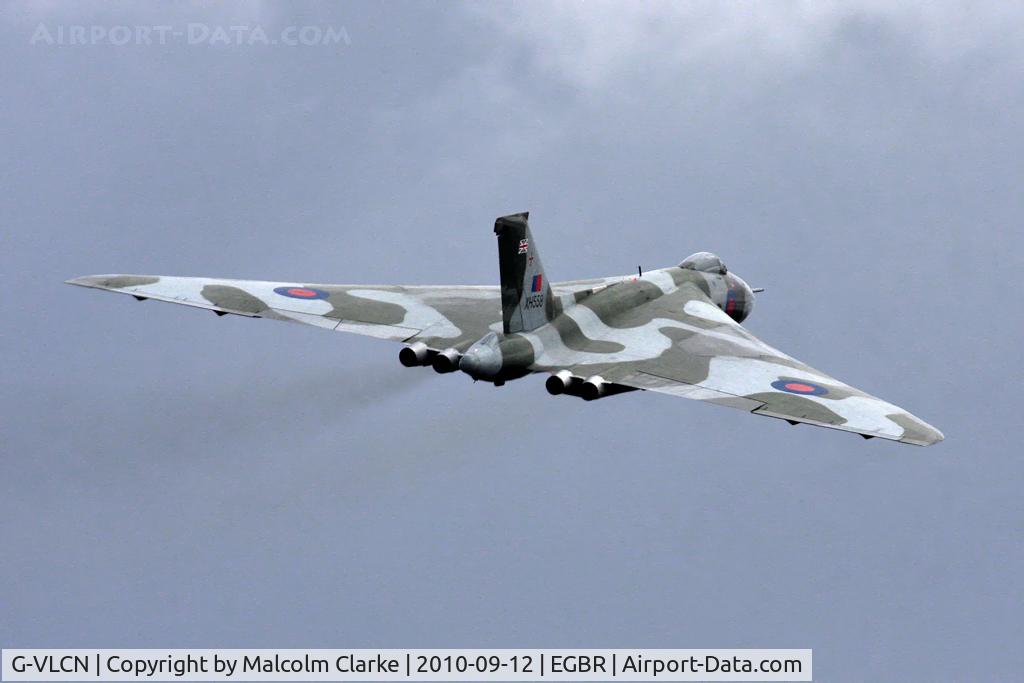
(406, 665)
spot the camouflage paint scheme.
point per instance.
(674, 331)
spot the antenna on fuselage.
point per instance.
(757, 290)
(639, 271)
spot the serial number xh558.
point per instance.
(673, 330)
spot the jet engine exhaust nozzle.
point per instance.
(447, 361)
(594, 388)
(414, 355)
(559, 383)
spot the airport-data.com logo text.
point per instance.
(70, 35)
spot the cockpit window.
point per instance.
(705, 262)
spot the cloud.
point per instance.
(593, 45)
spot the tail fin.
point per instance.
(526, 300)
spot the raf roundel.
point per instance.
(301, 292)
(800, 387)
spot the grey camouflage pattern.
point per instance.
(674, 330)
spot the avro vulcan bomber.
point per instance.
(674, 330)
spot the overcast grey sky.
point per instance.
(173, 479)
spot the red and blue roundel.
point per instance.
(301, 292)
(799, 386)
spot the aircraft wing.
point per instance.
(440, 316)
(683, 345)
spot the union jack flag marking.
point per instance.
(524, 246)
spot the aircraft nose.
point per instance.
(481, 362)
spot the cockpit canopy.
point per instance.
(705, 262)
(726, 290)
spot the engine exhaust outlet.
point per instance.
(594, 388)
(414, 355)
(447, 361)
(559, 382)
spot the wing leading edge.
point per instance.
(681, 344)
(678, 342)
(440, 316)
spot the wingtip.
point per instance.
(929, 438)
(931, 435)
(113, 281)
(82, 281)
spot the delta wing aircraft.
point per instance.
(674, 331)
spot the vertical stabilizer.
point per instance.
(526, 300)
